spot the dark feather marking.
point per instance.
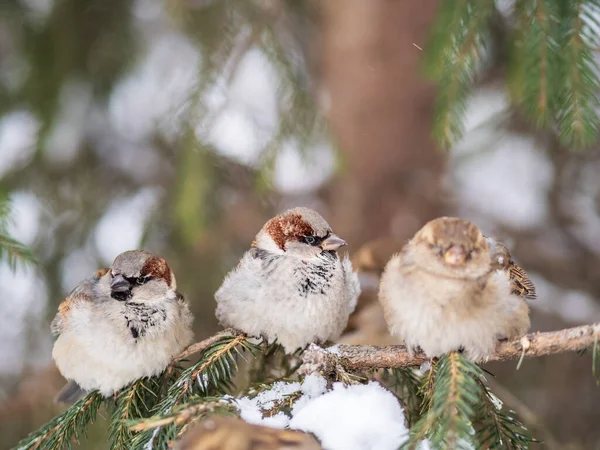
(315, 278)
(268, 260)
(140, 317)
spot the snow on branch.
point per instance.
(357, 357)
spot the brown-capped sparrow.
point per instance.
(450, 288)
(124, 323)
(291, 285)
(228, 433)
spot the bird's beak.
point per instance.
(119, 284)
(455, 255)
(333, 242)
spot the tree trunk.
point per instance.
(380, 109)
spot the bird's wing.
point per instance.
(520, 282)
(81, 292)
(225, 433)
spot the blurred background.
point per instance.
(181, 126)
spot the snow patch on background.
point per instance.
(122, 226)
(501, 175)
(18, 137)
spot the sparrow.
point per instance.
(228, 433)
(291, 286)
(451, 288)
(124, 323)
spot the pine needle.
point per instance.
(211, 375)
(453, 56)
(577, 111)
(12, 251)
(497, 428)
(447, 422)
(64, 429)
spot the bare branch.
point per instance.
(356, 357)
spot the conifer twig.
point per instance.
(357, 357)
(180, 417)
(199, 346)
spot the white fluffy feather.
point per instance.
(444, 314)
(265, 301)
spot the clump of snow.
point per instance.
(335, 349)
(251, 409)
(359, 417)
(314, 385)
(267, 398)
(496, 401)
(424, 368)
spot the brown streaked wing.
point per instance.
(81, 292)
(520, 282)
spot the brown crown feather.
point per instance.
(285, 228)
(452, 230)
(157, 267)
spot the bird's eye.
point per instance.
(310, 240)
(437, 248)
(143, 279)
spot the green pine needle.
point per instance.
(66, 428)
(497, 428)
(12, 251)
(211, 375)
(456, 392)
(453, 57)
(461, 412)
(407, 385)
(534, 81)
(577, 111)
(133, 402)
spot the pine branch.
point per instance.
(202, 345)
(135, 401)
(533, 74)
(362, 357)
(11, 251)
(578, 102)
(452, 58)
(60, 432)
(273, 364)
(498, 428)
(212, 374)
(456, 391)
(195, 409)
(410, 389)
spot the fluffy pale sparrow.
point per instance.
(450, 288)
(124, 323)
(228, 433)
(291, 285)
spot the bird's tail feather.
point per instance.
(70, 393)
